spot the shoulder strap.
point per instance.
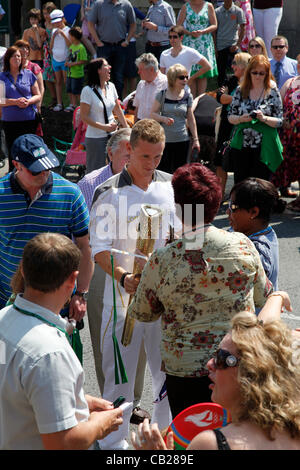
(18, 90)
(102, 101)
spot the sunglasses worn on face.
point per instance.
(173, 36)
(262, 74)
(278, 47)
(255, 46)
(183, 77)
(224, 359)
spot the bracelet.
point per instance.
(195, 139)
(123, 279)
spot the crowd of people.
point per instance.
(75, 246)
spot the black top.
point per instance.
(221, 440)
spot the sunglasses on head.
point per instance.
(224, 359)
(278, 47)
(262, 74)
(183, 77)
(255, 46)
(173, 36)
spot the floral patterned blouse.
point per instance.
(270, 105)
(196, 292)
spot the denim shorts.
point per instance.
(58, 65)
(74, 85)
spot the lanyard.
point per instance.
(30, 314)
(265, 230)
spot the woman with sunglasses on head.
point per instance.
(196, 284)
(251, 204)
(173, 109)
(256, 113)
(255, 376)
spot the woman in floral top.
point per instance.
(196, 285)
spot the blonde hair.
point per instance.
(149, 130)
(261, 42)
(268, 374)
(173, 72)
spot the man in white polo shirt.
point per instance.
(42, 402)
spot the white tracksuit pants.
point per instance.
(151, 333)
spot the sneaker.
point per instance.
(58, 107)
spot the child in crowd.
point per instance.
(59, 48)
(48, 72)
(75, 63)
(35, 35)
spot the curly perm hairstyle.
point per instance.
(268, 374)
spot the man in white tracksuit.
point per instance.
(114, 221)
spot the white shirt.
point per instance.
(114, 220)
(146, 93)
(41, 378)
(186, 57)
(60, 50)
(96, 107)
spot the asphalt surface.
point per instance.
(287, 228)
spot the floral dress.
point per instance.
(249, 27)
(289, 170)
(204, 43)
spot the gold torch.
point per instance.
(148, 228)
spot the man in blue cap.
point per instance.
(34, 199)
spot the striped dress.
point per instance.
(59, 207)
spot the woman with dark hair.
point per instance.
(196, 284)
(256, 113)
(98, 103)
(21, 97)
(251, 204)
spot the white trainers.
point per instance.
(58, 107)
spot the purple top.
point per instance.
(24, 83)
(89, 183)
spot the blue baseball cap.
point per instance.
(33, 153)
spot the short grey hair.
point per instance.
(117, 137)
(149, 60)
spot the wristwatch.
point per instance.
(84, 295)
